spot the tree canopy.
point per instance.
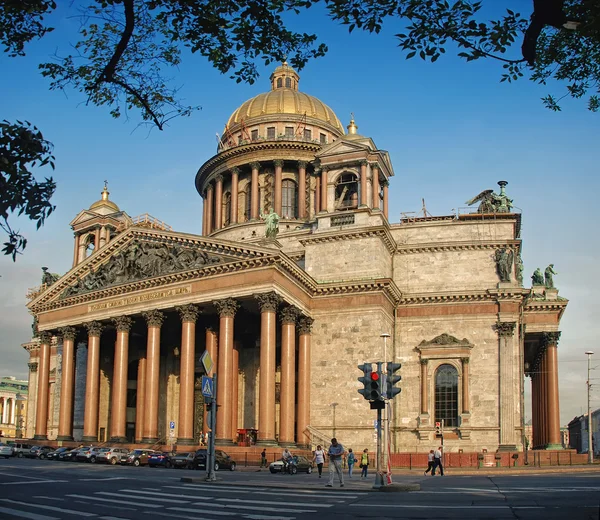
(128, 48)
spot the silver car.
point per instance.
(111, 455)
(6, 451)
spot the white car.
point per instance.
(6, 451)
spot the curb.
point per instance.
(400, 488)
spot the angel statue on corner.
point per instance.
(271, 223)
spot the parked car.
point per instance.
(6, 451)
(53, 455)
(222, 460)
(182, 460)
(20, 448)
(87, 454)
(68, 455)
(137, 457)
(111, 455)
(300, 465)
(40, 452)
(160, 458)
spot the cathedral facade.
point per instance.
(298, 276)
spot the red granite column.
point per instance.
(210, 209)
(41, 413)
(211, 348)
(76, 252)
(254, 202)
(543, 402)
(234, 195)
(235, 369)
(375, 173)
(278, 184)
(317, 194)
(92, 383)
(303, 415)
(118, 412)
(301, 189)
(189, 315)
(140, 398)
(363, 183)
(465, 385)
(204, 214)
(534, 406)
(324, 206)
(154, 320)
(287, 407)
(424, 393)
(266, 405)
(219, 202)
(226, 309)
(553, 441)
(67, 385)
(385, 199)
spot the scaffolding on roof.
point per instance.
(148, 221)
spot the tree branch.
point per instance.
(139, 97)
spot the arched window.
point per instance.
(227, 206)
(446, 395)
(346, 192)
(279, 83)
(90, 244)
(289, 199)
(288, 82)
(247, 204)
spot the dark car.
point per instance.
(40, 452)
(300, 465)
(160, 458)
(222, 460)
(53, 455)
(137, 457)
(69, 455)
(182, 460)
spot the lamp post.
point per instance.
(386, 424)
(333, 405)
(589, 354)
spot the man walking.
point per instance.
(437, 461)
(263, 458)
(336, 452)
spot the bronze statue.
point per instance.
(271, 223)
(490, 202)
(537, 278)
(548, 273)
(48, 278)
(504, 262)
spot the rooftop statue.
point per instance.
(48, 278)
(548, 273)
(537, 278)
(504, 262)
(271, 223)
(490, 202)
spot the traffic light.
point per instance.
(390, 390)
(438, 429)
(365, 379)
(375, 387)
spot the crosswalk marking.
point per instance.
(29, 482)
(233, 506)
(23, 514)
(179, 515)
(111, 500)
(190, 510)
(123, 493)
(300, 493)
(49, 508)
(299, 504)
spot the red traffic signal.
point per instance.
(374, 376)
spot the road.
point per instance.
(43, 490)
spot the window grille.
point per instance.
(446, 395)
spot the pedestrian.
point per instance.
(319, 459)
(288, 460)
(437, 460)
(336, 452)
(364, 463)
(429, 462)
(263, 458)
(351, 461)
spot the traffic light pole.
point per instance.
(379, 481)
(212, 423)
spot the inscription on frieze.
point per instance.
(140, 298)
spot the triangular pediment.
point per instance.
(343, 146)
(142, 254)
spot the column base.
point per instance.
(267, 442)
(118, 440)
(225, 442)
(64, 438)
(38, 437)
(507, 447)
(149, 440)
(89, 438)
(287, 444)
(186, 442)
(554, 447)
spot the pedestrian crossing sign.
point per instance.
(207, 386)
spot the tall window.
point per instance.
(289, 131)
(279, 82)
(288, 82)
(346, 192)
(227, 219)
(307, 134)
(271, 132)
(247, 202)
(323, 138)
(446, 395)
(254, 135)
(289, 201)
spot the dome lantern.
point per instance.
(284, 76)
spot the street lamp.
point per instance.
(386, 424)
(333, 405)
(589, 354)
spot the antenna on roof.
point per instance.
(424, 209)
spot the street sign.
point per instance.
(207, 386)
(207, 363)
(172, 425)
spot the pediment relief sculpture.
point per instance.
(445, 339)
(142, 260)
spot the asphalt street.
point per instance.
(43, 490)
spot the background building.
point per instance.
(13, 407)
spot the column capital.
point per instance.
(226, 308)
(384, 182)
(302, 164)
(551, 338)
(210, 187)
(94, 328)
(234, 170)
(278, 162)
(154, 318)
(305, 324)
(505, 329)
(45, 337)
(364, 162)
(32, 366)
(255, 165)
(189, 312)
(68, 333)
(268, 302)
(123, 323)
(424, 361)
(289, 315)
(465, 360)
(375, 165)
(324, 169)
(219, 177)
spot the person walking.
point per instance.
(287, 459)
(437, 461)
(263, 458)
(319, 459)
(364, 463)
(429, 462)
(336, 452)
(351, 461)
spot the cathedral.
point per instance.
(296, 277)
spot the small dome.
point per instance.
(104, 203)
(284, 99)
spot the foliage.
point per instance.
(22, 148)
(21, 22)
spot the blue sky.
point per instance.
(451, 128)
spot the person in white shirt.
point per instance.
(319, 459)
(437, 461)
(287, 459)
(429, 462)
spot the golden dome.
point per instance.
(284, 100)
(104, 202)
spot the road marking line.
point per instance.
(91, 498)
(50, 498)
(49, 508)
(233, 506)
(430, 506)
(286, 504)
(190, 510)
(263, 491)
(23, 514)
(123, 493)
(17, 475)
(28, 483)
(104, 478)
(170, 515)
